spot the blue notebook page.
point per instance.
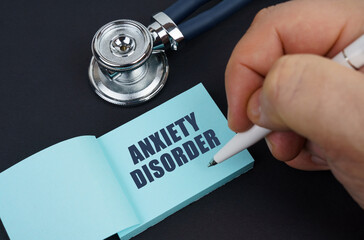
(67, 191)
(161, 157)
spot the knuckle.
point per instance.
(263, 14)
(285, 79)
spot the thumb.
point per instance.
(315, 97)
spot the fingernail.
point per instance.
(255, 108)
(269, 144)
(228, 118)
(318, 160)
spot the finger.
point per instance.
(233, 88)
(304, 161)
(315, 97)
(285, 146)
(318, 154)
(292, 27)
(302, 154)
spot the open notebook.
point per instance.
(124, 181)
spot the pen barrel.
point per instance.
(240, 142)
(353, 55)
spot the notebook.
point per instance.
(124, 181)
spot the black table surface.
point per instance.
(45, 98)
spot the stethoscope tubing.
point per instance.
(181, 9)
(205, 20)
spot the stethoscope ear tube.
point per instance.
(181, 9)
(204, 21)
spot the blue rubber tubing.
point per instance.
(183, 8)
(208, 19)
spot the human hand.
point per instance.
(276, 78)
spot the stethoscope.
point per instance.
(129, 64)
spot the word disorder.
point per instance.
(149, 147)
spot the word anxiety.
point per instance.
(177, 156)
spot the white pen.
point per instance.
(352, 56)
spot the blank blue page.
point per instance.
(161, 157)
(67, 191)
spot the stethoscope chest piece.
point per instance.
(124, 69)
(129, 64)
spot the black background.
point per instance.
(45, 97)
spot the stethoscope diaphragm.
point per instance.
(124, 69)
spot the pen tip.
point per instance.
(212, 163)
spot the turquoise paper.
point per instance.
(125, 181)
(67, 191)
